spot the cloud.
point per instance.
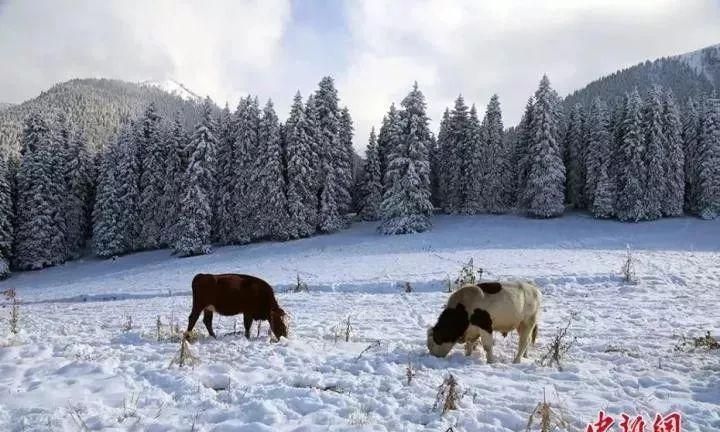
(478, 48)
(375, 49)
(218, 48)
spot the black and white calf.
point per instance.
(474, 311)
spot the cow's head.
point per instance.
(448, 331)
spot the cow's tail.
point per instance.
(534, 334)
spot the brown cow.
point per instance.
(232, 294)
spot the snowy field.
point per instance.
(74, 366)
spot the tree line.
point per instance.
(636, 159)
(243, 176)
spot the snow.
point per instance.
(72, 357)
(174, 88)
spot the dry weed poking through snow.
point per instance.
(704, 343)
(549, 417)
(448, 395)
(559, 347)
(14, 318)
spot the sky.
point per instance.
(374, 49)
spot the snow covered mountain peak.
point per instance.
(174, 88)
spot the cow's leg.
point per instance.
(192, 319)
(247, 322)
(470, 337)
(487, 343)
(207, 319)
(524, 331)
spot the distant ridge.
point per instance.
(97, 106)
(688, 75)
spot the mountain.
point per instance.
(688, 75)
(705, 62)
(174, 88)
(97, 106)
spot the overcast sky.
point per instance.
(374, 49)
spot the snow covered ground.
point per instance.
(73, 361)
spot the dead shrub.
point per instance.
(559, 347)
(469, 275)
(702, 343)
(14, 319)
(628, 267)
(549, 417)
(128, 323)
(448, 395)
(184, 356)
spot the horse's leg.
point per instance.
(192, 319)
(247, 322)
(207, 319)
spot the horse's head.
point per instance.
(278, 323)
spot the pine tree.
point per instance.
(456, 155)
(604, 197)
(406, 206)
(78, 177)
(692, 131)
(521, 157)
(312, 131)
(108, 238)
(544, 192)
(709, 170)
(331, 158)
(372, 181)
(225, 176)
(152, 180)
(128, 192)
(655, 158)
(674, 157)
(630, 205)
(199, 186)
(270, 195)
(175, 143)
(442, 173)
(346, 156)
(301, 172)
(6, 217)
(575, 156)
(599, 183)
(387, 135)
(246, 123)
(472, 167)
(495, 159)
(39, 235)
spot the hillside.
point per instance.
(96, 105)
(89, 329)
(687, 75)
(705, 62)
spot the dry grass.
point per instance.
(410, 371)
(300, 285)
(76, 415)
(14, 320)
(184, 357)
(703, 343)
(628, 267)
(128, 323)
(549, 418)
(448, 395)
(559, 347)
